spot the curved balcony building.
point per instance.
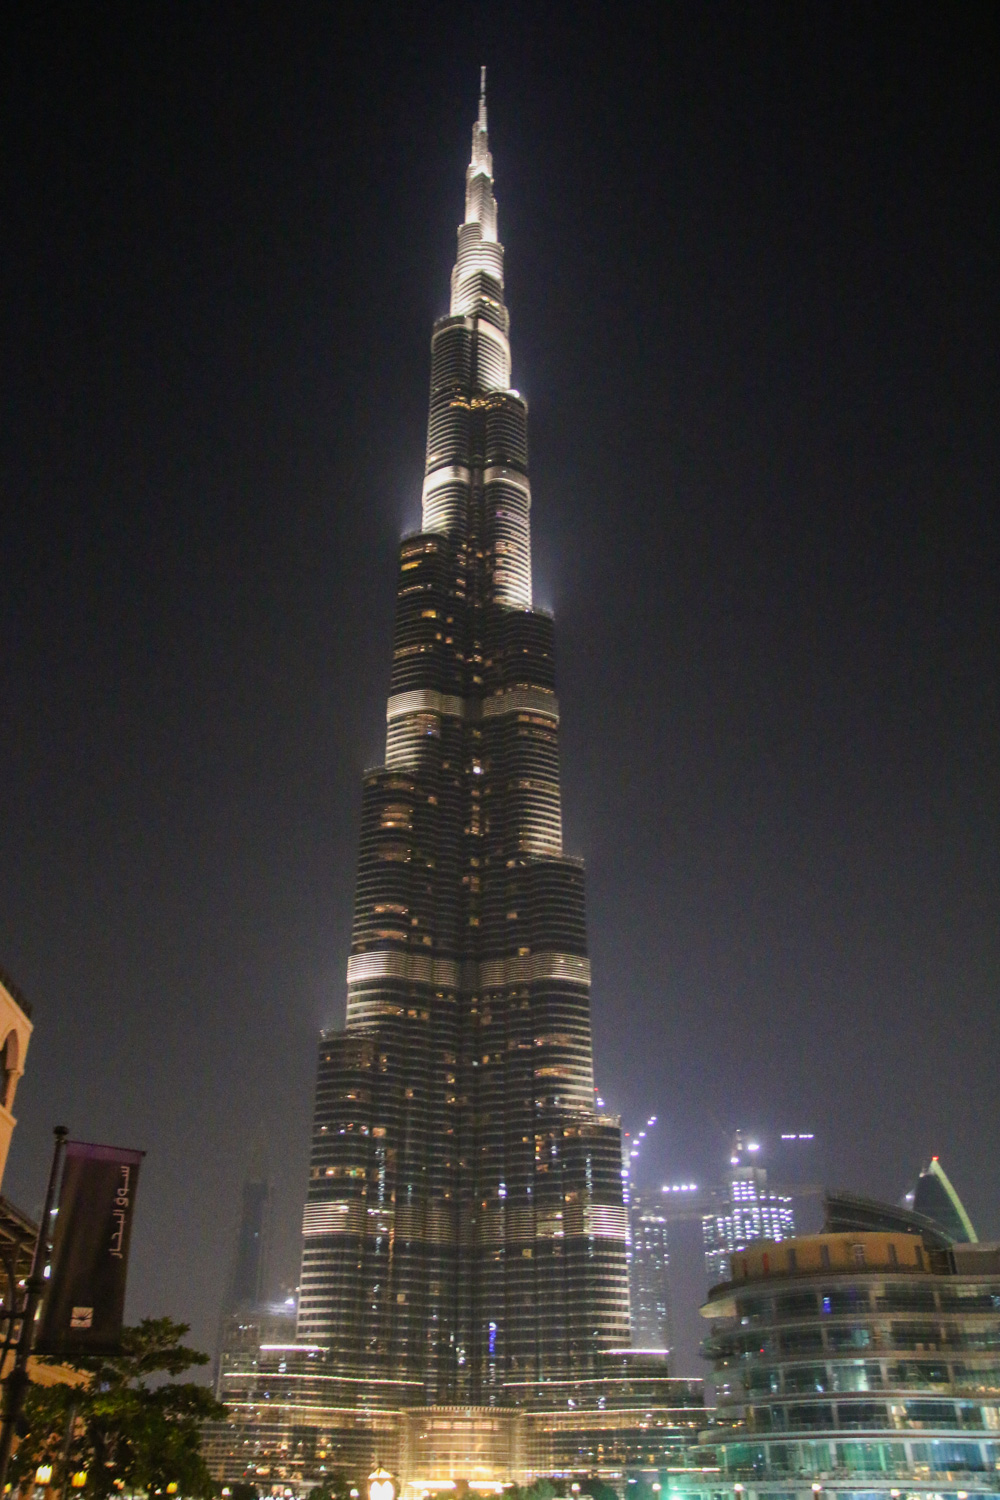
(860, 1364)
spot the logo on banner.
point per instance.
(84, 1304)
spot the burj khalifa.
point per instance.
(465, 1234)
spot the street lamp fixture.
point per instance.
(78, 1479)
(381, 1485)
(43, 1474)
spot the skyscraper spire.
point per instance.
(481, 163)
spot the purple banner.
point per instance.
(84, 1302)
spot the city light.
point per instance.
(381, 1485)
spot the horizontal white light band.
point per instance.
(606, 1221)
(495, 973)
(500, 472)
(447, 474)
(445, 972)
(537, 700)
(490, 331)
(512, 700)
(328, 1218)
(423, 701)
(416, 967)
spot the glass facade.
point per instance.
(871, 1355)
(649, 1271)
(746, 1211)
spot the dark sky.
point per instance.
(752, 271)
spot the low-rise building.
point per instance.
(863, 1364)
(15, 1034)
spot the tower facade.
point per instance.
(649, 1273)
(747, 1210)
(465, 1232)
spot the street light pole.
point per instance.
(17, 1380)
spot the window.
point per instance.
(796, 1305)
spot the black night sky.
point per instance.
(752, 259)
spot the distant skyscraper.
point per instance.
(246, 1276)
(465, 1231)
(244, 1285)
(746, 1211)
(649, 1269)
(935, 1198)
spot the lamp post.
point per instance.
(381, 1485)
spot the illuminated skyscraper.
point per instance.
(746, 1211)
(465, 1231)
(649, 1273)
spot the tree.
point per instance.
(542, 1489)
(598, 1489)
(122, 1430)
(334, 1486)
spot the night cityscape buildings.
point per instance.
(464, 1295)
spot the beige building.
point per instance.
(15, 1034)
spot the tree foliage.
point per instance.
(542, 1489)
(598, 1489)
(335, 1486)
(128, 1428)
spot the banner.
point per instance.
(84, 1302)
